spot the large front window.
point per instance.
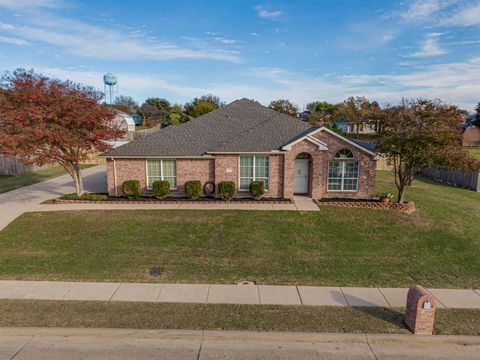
(343, 172)
(162, 170)
(253, 168)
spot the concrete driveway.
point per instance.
(52, 344)
(15, 203)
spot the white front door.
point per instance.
(300, 180)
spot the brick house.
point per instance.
(242, 142)
(471, 136)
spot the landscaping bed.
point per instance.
(407, 207)
(91, 198)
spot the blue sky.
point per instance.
(302, 50)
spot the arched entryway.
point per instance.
(301, 174)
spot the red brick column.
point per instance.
(420, 314)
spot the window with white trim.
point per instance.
(343, 172)
(162, 170)
(253, 168)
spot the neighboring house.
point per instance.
(125, 121)
(369, 127)
(242, 142)
(137, 119)
(471, 136)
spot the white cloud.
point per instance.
(422, 10)
(30, 4)
(5, 26)
(468, 16)
(13, 40)
(457, 83)
(267, 14)
(104, 43)
(429, 47)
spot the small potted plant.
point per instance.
(385, 197)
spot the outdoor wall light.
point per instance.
(426, 304)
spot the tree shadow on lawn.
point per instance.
(387, 314)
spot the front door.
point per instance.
(300, 181)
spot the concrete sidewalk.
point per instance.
(230, 294)
(118, 344)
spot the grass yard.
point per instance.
(474, 152)
(94, 314)
(437, 246)
(9, 183)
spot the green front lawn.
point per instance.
(474, 152)
(436, 246)
(9, 183)
(96, 314)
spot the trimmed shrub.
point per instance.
(161, 188)
(257, 189)
(226, 190)
(193, 189)
(131, 188)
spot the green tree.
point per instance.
(322, 108)
(357, 110)
(159, 103)
(176, 115)
(203, 105)
(284, 106)
(418, 134)
(476, 120)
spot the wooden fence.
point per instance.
(11, 165)
(455, 178)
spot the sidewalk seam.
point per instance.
(346, 300)
(23, 347)
(299, 296)
(118, 287)
(370, 346)
(388, 303)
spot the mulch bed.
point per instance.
(171, 200)
(407, 207)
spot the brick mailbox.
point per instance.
(420, 314)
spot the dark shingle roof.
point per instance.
(241, 126)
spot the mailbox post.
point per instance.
(420, 314)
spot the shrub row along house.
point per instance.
(244, 142)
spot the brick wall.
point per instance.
(125, 169)
(135, 169)
(471, 136)
(194, 169)
(227, 168)
(319, 168)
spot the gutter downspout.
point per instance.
(115, 177)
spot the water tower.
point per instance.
(110, 87)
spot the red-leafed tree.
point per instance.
(45, 120)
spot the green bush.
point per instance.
(193, 189)
(161, 189)
(131, 188)
(86, 196)
(257, 189)
(226, 190)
